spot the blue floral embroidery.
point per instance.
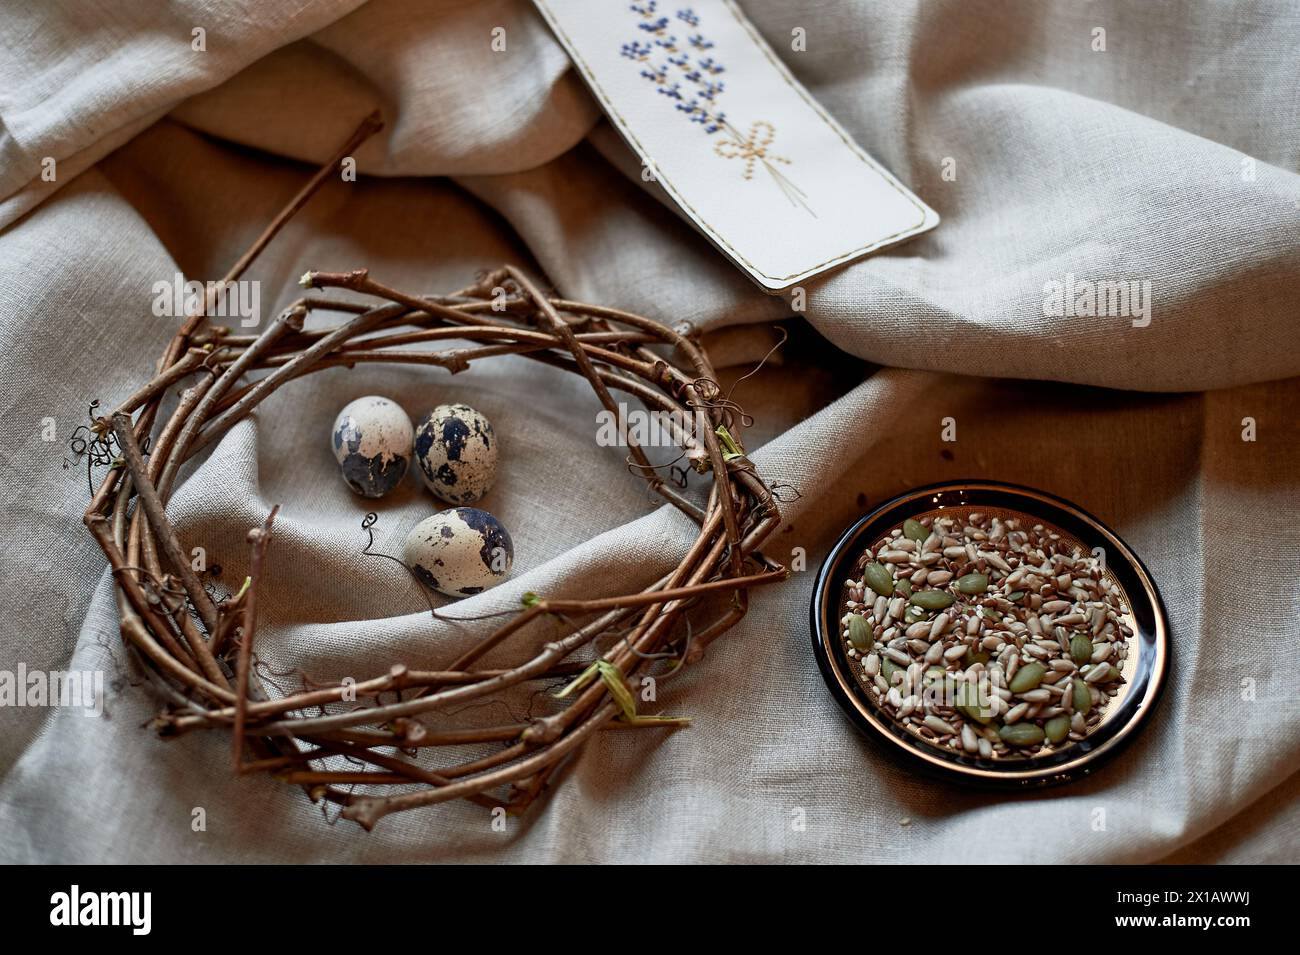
(685, 74)
(681, 74)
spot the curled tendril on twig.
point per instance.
(709, 395)
(785, 493)
(785, 337)
(676, 474)
(97, 444)
(367, 523)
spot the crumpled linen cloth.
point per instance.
(1172, 157)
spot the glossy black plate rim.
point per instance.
(1073, 762)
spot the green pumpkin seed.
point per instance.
(1080, 649)
(1016, 595)
(879, 578)
(915, 530)
(933, 599)
(913, 615)
(972, 583)
(888, 668)
(904, 587)
(860, 633)
(1027, 677)
(1082, 696)
(1058, 727)
(1021, 734)
(968, 702)
(974, 656)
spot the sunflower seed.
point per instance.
(1098, 621)
(1099, 674)
(1015, 713)
(941, 727)
(919, 629)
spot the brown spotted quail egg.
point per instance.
(457, 451)
(372, 443)
(459, 552)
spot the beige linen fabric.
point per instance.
(1172, 157)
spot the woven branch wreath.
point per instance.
(198, 651)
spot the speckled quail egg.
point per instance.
(372, 442)
(459, 552)
(457, 451)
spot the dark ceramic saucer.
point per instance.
(1144, 671)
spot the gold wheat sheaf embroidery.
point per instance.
(751, 148)
(688, 73)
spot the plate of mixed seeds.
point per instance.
(991, 633)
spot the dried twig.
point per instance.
(259, 538)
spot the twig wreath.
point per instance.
(198, 650)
